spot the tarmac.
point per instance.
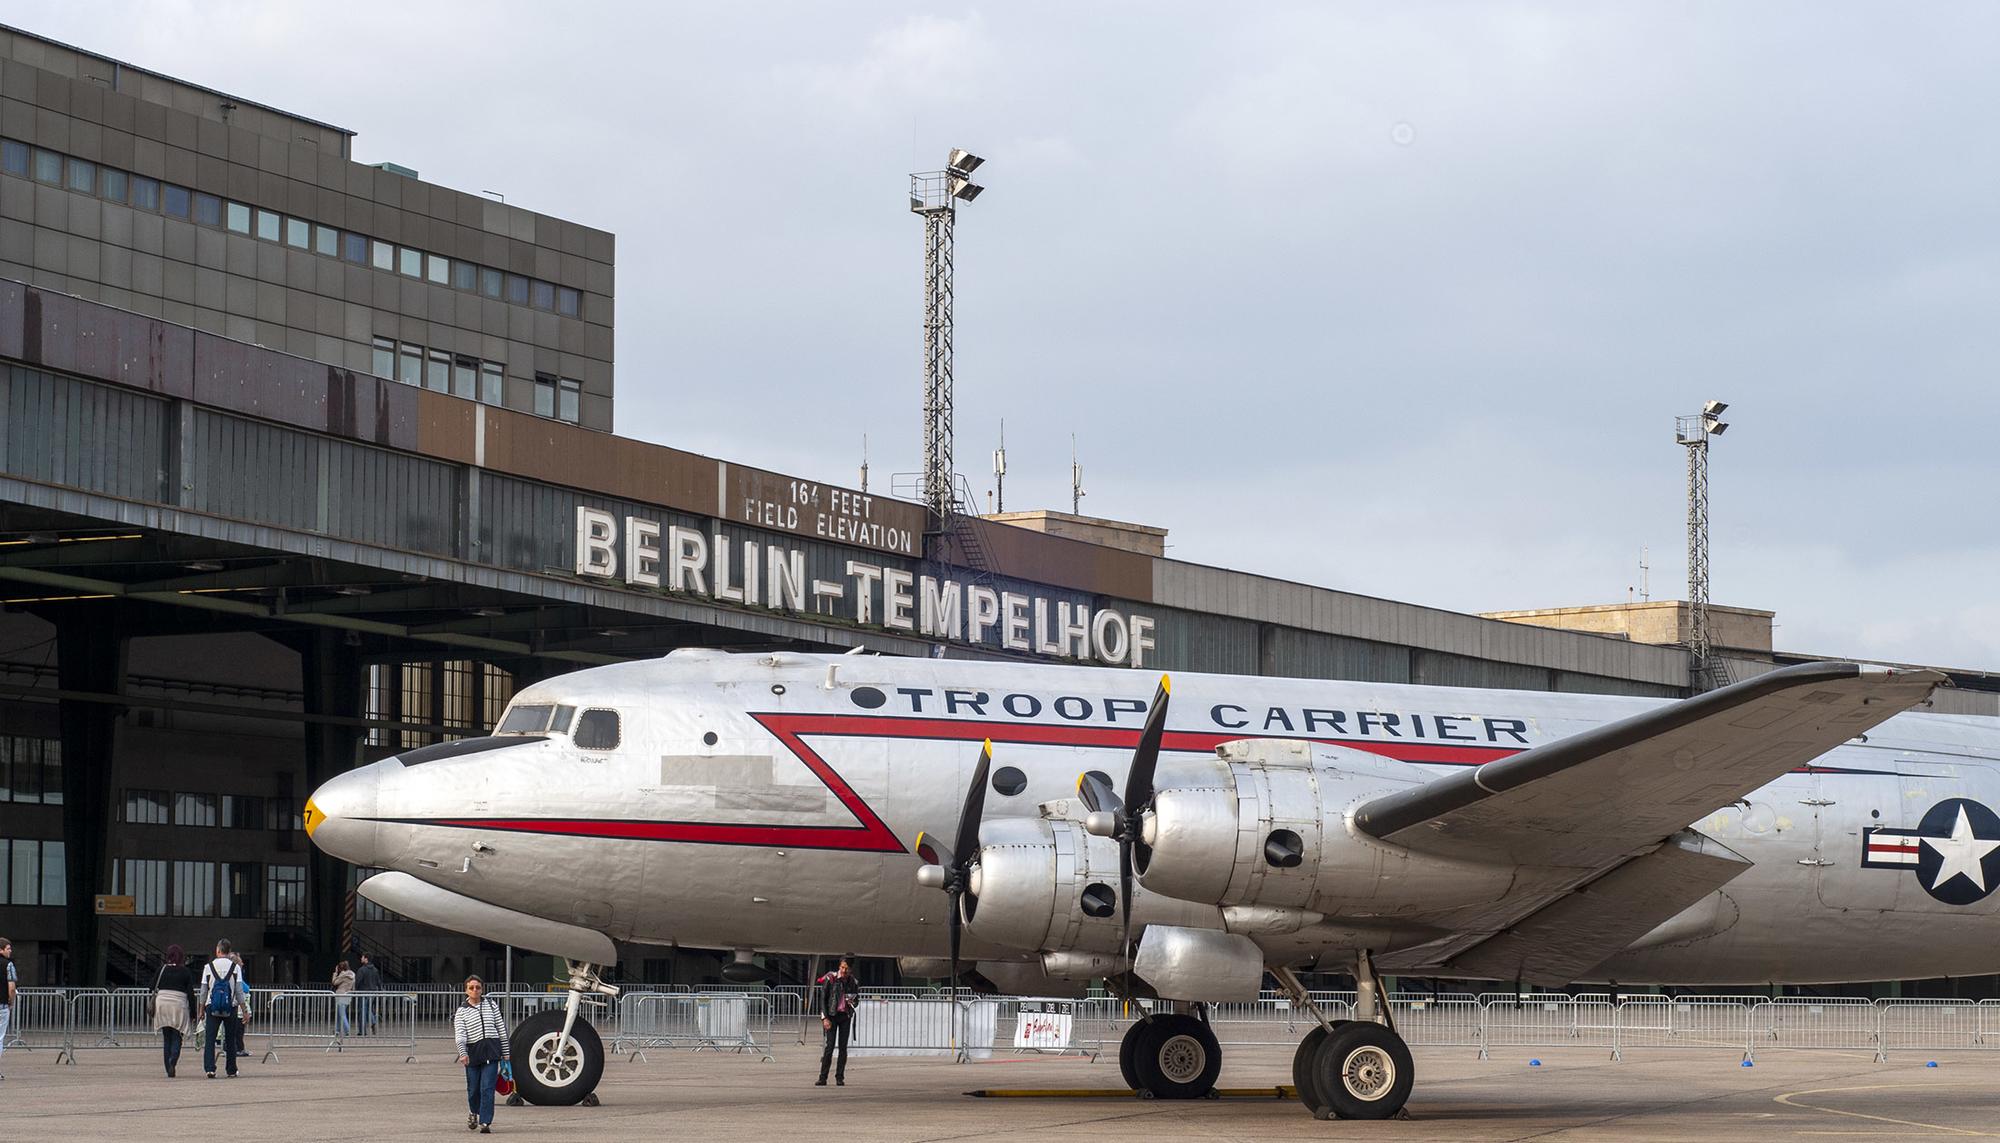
(374, 1095)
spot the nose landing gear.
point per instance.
(558, 1057)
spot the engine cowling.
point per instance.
(1269, 825)
(1045, 886)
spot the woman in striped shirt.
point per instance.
(481, 1032)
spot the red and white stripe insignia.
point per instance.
(1892, 849)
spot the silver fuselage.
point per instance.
(771, 803)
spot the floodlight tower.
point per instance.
(1693, 432)
(934, 195)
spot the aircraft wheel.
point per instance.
(1362, 1070)
(549, 1079)
(1303, 1079)
(1176, 1057)
(1126, 1047)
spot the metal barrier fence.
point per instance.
(907, 1021)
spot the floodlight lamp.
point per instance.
(963, 161)
(962, 189)
(1717, 428)
(1713, 408)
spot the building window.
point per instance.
(464, 377)
(32, 873)
(463, 275)
(194, 889)
(177, 201)
(243, 811)
(281, 815)
(326, 240)
(241, 887)
(82, 176)
(239, 218)
(285, 894)
(269, 225)
(489, 282)
(517, 289)
(354, 248)
(545, 395)
(48, 166)
(410, 263)
(207, 209)
(458, 679)
(437, 269)
(145, 881)
(381, 255)
(410, 364)
(492, 383)
(417, 703)
(145, 193)
(568, 398)
(31, 770)
(437, 374)
(542, 295)
(569, 303)
(146, 807)
(298, 232)
(194, 809)
(385, 357)
(13, 157)
(111, 183)
(499, 692)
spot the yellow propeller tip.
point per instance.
(1167, 683)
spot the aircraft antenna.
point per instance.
(1000, 471)
(934, 196)
(1693, 432)
(864, 462)
(1076, 492)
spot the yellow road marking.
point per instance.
(1789, 1099)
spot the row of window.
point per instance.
(457, 693)
(31, 770)
(595, 729)
(229, 811)
(457, 374)
(32, 873)
(243, 889)
(141, 192)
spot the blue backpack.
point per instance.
(221, 994)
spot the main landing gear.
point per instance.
(1170, 1056)
(558, 1057)
(1351, 1069)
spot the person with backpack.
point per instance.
(173, 1006)
(481, 1032)
(222, 996)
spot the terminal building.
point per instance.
(305, 461)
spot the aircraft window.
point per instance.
(1008, 781)
(525, 720)
(597, 730)
(560, 723)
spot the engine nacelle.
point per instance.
(1044, 885)
(1270, 826)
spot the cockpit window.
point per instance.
(532, 719)
(597, 730)
(560, 723)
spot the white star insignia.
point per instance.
(1962, 854)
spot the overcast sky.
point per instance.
(1394, 298)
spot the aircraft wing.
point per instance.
(1595, 798)
(1583, 928)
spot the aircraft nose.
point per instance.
(340, 816)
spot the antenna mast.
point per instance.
(1000, 471)
(1076, 493)
(1693, 432)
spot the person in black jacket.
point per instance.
(838, 993)
(173, 1006)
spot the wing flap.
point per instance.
(1588, 800)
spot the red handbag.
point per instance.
(505, 1084)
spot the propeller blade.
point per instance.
(967, 846)
(1146, 758)
(931, 851)
(1096, 793)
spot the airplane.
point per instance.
(1795, 827)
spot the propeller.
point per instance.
(1123, 819)
(952, 870)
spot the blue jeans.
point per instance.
(170, 1048)
(366, 1024)
(342, 1025)
(230, 1030)
(479, 1081)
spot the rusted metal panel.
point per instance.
(1055, 560)
(246, 379)
(63, 431)
(447, 427)
(809, 508)
(132, 349)
(551, 451)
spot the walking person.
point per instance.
(343, 998)
(10, 991)
(367, 982)
(222, 995)
(173, 1006)
(838, 994)
(481, 1033)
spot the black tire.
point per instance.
(1176, 1057)
(1362, 1070)
(1304, 1080)
(539, 1078)
(1126, 1047)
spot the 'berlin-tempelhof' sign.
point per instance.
(753, 574)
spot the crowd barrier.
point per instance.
(965, 1026)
